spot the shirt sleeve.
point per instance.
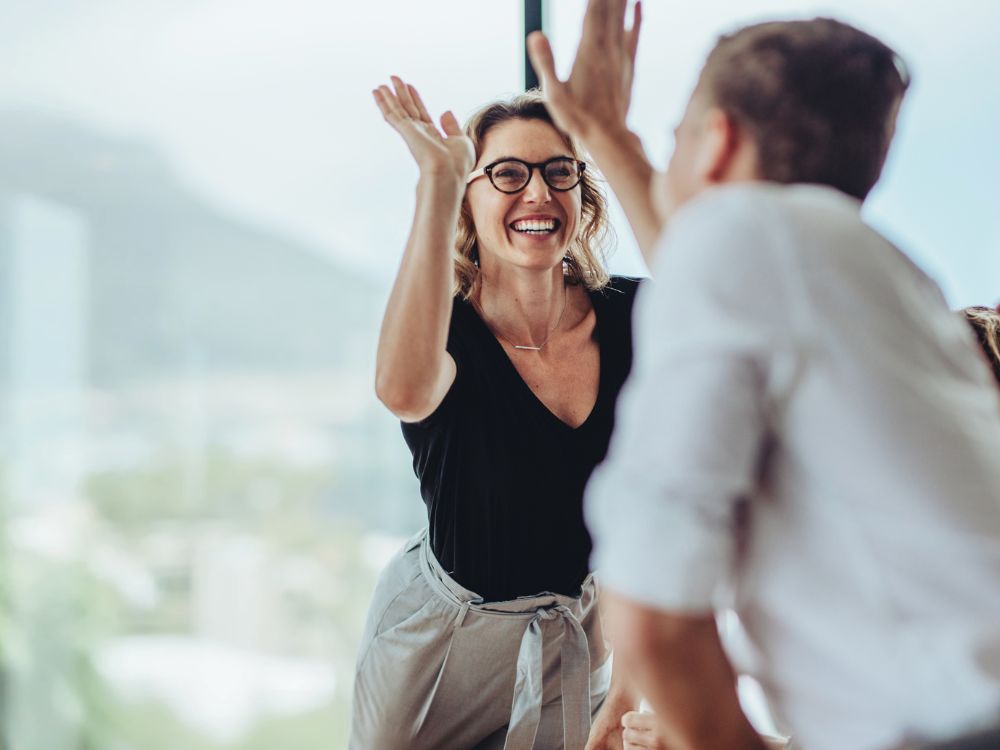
(692, 418)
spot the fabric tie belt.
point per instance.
(526, 710)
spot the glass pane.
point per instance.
(201, 211)
(936, 198)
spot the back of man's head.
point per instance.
(818, 99)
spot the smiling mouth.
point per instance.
(536, 226)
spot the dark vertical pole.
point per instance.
(532, 22)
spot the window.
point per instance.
(201, 211)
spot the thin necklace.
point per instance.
(554, 328)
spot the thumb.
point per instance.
(540, 54)
(449, 124)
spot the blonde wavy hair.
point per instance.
(586, 260)
(986, 324)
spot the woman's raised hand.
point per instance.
(450, 154)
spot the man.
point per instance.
(808, 436)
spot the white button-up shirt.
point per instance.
(792, 362)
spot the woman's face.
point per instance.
(499, 217)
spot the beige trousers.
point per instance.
(440, 669)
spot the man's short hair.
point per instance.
(818, 98)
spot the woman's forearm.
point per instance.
(412, 364)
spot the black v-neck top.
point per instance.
(501, 475)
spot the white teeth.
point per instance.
(535, 225)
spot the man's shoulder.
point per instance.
(727, 226)
(761, 223)
(750, 201)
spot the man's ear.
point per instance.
(718, 148)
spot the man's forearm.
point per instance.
(606, 729)
(621, 158)
(679, 665)
(622, 693)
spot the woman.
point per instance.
(503, 359)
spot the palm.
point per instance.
(426, 143)
(592, 77)
(450, 151)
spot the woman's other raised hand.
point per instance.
(438, 154)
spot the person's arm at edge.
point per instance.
(593, 103)
(413, 369)
(678, 663)
(622, 697)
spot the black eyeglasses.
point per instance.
(513, 175)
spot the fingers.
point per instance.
(542, 59)
(405, 98)
(595, 20)
(639, 730)
(640, 745)
(639, 720)
(644, 740)
(618, 8)
(388, 105)
(604, 21)
(450, 125)
(424, 115)
(403, 109)
(632, 35)
(401, 102)
(557, 93)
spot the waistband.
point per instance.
(452, 590)
(574, 675)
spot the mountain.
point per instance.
(171, 282)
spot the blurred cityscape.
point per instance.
(198, 486)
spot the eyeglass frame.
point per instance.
(532, 166)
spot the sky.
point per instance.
(265, 109)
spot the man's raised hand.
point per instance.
(597, 94)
